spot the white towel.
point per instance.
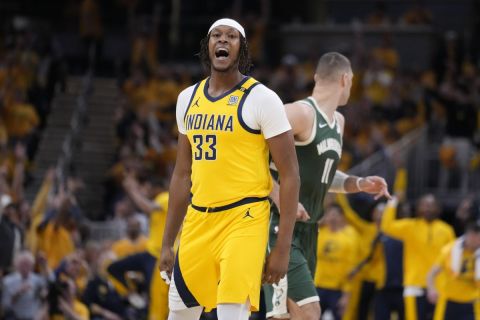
(457, 253)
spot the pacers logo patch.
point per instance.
(233, 100)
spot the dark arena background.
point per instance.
(88, 136)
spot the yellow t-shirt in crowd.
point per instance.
(125, 247)
(422, 241)
(21, 119)
(336, 256)
(56, 242)
(374, 270)
(157, 225)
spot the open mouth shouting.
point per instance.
(222, 54)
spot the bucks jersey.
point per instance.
(318, 159)
(229, 148)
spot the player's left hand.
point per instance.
(276, 265)
(375, 185)
(167, 258)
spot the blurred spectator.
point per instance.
(457, 296)
(144, 46)
(63, 303)
(123, 210)
(55, 233)
(100, 296)
(91, 29)
(21, 119)
(23, 290)
(39, 207)
(417, 14)
(151, 197)
(456, 97)
(288, 81)
(467, 211)
(10, 235)
(336, 256)
(423, 239)
(379, 16)
(73, 267)
(386, 53)
(449, 54)
(133, 242)
(379, 269)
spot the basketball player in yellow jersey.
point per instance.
(228, 123)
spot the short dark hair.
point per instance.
(244, 60)
(331, 65)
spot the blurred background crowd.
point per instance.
(413, 117)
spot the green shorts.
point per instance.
(298, 284)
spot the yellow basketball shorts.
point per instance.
(220, 258)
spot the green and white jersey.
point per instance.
(318, 158)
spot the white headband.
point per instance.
(228, 22)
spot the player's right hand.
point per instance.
(276, 265)
(167, 259)
(302, 214)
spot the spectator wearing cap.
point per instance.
(23, 290)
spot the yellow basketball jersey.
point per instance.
(229, 159)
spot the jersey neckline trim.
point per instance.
(223, 95)
(323, 114)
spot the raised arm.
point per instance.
(352, 217)
(178, 202)
(391, 226)
(141, 201)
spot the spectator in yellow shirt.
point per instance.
(379, 269)
(21, 118)
(55, 237)
(460, 296)
(336, 256)
(134, 242)
(67, 306)
(423, 239)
